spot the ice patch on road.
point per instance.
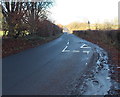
(96, 81)
(100, 83)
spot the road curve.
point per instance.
(48, 69)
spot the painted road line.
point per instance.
(64, 48)
(75, 51)
(87, 52)
(85, 46)
(118, 67)
(107, 78)
(68, 43)
(67, 51)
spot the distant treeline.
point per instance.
(107, 25)
(26, 18)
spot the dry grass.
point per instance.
(12, 46)
(1, 33)
(110, 41)
(111, 37)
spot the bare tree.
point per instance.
(13, 14)
(22, 15)
(36, 12)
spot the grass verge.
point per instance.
(110, 41)
(12, 46)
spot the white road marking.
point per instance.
(67, 51)
(68, 43)
(86, 64)
(107, 78)
(85, 46)
(87, 52)
(64, 48)
(118, 67)
(82, 46)
(76, 51)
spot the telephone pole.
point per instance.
(88, 25)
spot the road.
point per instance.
(49, 69)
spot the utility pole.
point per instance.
(88, 25)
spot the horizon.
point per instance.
(97, 12)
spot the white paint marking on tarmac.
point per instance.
(107, 78)
(118, 67)
(67, 51)
(87, 52)
(82, 45)
(85, 46)
(64, 48)
(68, 43)
(75, 51)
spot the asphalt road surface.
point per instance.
(48, 69)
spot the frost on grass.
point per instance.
(100, 83)
(96, 81)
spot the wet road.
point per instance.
(48, 69)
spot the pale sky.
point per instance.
(67, 11)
